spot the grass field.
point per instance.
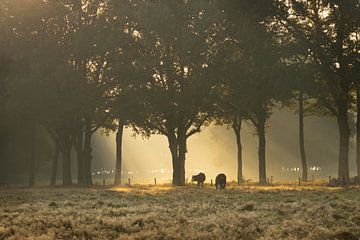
(279, 212)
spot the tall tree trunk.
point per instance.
(182, 153)
(358, 130)
(182, 157)
(2, 170)
(87, 154)
(3, 162)
(2, 173)
(80, 168)
(302, 138)
(237, 131)
(66, 155)
(2, 159)
(32, 156)
(344, 135)
(55, 165)
(119, 141)
(262, 148)
(80, 157)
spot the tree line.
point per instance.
(69, 68)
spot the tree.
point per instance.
(22, 30)
(231, 108)
(325, 30)
(304, 90)
(178, 41)
(254, 69)
(64, 46)
(5, 64)
(44, 90)
(54, 168)
(302, 137)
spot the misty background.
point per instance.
(214, 151)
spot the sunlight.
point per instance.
(179, 119)
(324, 12)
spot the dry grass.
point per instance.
(165, 212)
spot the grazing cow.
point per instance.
(200, 179)
(220, 181)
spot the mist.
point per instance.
(213, 151)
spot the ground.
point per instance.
(280, 212)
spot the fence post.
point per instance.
(129, 182)
(155, 181)
(344, 180)
(299, 181)
(211, 183)
(104, 183)
(329, 179)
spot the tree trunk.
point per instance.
(80, 168)
(119, 140)
(80, 157)
(32, 156)
(2, 171)
(358, 131)
(2, 174)
(55, 165)
(237, 131)
(344, 135)
(176, 171)
(3, 156)
(182, 157)
(87, 154)
(302, 138)
(174, 149)
(262, 141)
(66, 155)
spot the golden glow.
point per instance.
(213, 151)
(317, 186)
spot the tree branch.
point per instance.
(198, 128)
(254, 121)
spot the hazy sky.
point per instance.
(214, 150)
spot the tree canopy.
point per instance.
(172, 68)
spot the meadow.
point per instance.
(166, 212)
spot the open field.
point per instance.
(280, 212)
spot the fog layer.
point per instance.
(214, 151)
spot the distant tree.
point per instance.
(302, 137)
(79, 34)
(326, 31)
(304, 105)
(85, 38)
(5, 65)
(357, 133)
(254, 70)
(125, 106)
(232, 109)
(23, 100)
(44, 87)
(235, 123)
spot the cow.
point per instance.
(220, 181)
(200, 179)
